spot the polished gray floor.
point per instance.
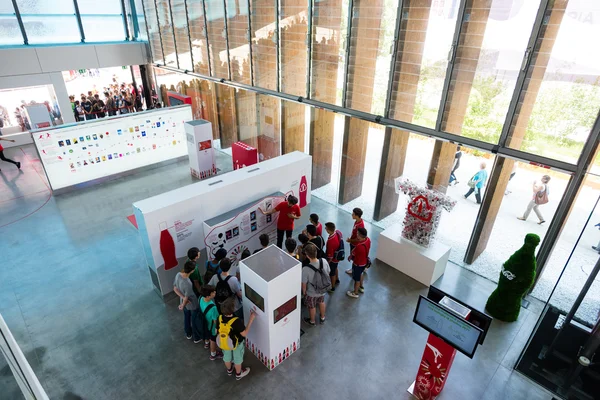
(76, 293)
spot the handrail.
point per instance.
(24, 375)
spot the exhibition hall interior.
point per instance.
(300, 199)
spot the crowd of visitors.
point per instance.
(114, 100)
(212, 302)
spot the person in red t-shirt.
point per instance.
(3, 158)
(314, 219)
(288, 212)
(333, 244)
(360, 258)
(353, 239)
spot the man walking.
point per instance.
(540, 196)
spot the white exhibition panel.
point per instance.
(183, 211)
(423, 264)
(271, 285)
(239, 229)
(82, 152)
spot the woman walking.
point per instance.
(540, 196)
(3, 158)
(477, 182)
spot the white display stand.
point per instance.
(271, 285)
(200, 148)
(39, 117)
(88, 152)
(425, 265)
(182, 212)
(239, 229)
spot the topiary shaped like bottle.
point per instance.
(516, 277)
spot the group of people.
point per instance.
(540, 189)
(212, 301)
(112, 101)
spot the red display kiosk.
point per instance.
(453, 326)
(243, 155)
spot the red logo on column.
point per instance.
(303, 191)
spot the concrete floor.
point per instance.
(75, 291)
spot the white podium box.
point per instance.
(200, 149)
(425, 265)
(240, 228)
(271, 285)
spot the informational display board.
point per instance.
(182, 212)
(39, 116)
(271, 281)
(239, 229)
(82, 152)
(451, 328)
(200, 148)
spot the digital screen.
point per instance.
(460, 334)
(283, 310)
(254, 297)
(82, 152)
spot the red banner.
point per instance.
(433, 371)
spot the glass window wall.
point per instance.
(10, 32)
(49, 22)
(102, 24)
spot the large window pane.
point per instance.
(49, 22)
(293, 28)
(103, 28)
(492, 44)
(198, 36)
(166, 32)
(424, 42)
(141, 22)
(239, 40)
(154, 32)
(10, 33)
(182, 35)
(264, 50)
(327, 54)
(561, 95)
(215, 15)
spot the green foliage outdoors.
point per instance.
(516, 278)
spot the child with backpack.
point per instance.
(315, 283)
(335, 252)
(227, 286)
(209, 320)
(230, 338)
(212, 266)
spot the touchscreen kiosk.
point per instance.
(271, 281)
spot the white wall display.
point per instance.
(200, 148)
(182, 212)
(83, 152)
(39, 116)
(239, 229)
(271, 282)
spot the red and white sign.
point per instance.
(243, 155)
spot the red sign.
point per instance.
(434, 368)
(421, 209)
(243, 155)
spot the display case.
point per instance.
(271, 286)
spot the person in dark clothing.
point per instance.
(86, 104)
(3, 158)
(99, 107)
(456, 165)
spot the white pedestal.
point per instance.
(425, 265)
(200, 149)
(271, 281)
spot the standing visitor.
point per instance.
(212, 266)
(335, 242)
(312, 286)
(110, 104)
(231, 334)
(188, 302)
(3, 158)
(317, 240)
(290, 247)
(99, 107)
(227, 286)
(360, 261)
(303, 239)
(540, 197)
(264, 242)
(353, 239)
(456, 165)
(87, 108)
(314, 219)
(209, 312)
(477, 182)
(288, 212)
(193, 255)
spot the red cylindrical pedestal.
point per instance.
(435, 366)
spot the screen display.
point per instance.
(462, 335)
(283, 310)
(254, 297)
(82, 152)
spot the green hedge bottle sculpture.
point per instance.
(516, 277)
